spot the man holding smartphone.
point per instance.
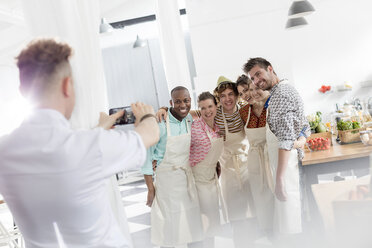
(54, 178)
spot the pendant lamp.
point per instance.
(139, 42)
(105, 27)
(300, 8)
(295, 23)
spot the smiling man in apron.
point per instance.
(286, 120)
(254, 117)
(234, 168)
(175, 213)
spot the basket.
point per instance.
(350, 136)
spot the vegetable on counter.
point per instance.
(325, 88)
(319, 144)
(315, 122)
(348, 125)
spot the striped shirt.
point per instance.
(234, 121)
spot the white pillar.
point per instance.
(77, 23)
(172, 44)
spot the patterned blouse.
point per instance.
(200, 143)
(286, 115)
(254, 121)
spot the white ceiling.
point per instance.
(14, 32)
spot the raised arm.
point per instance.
(146, 125)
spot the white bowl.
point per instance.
(366, 137)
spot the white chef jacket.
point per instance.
(50, 173)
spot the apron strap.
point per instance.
(224, 123)
(168, 126)
(249, 115)
(208, 134)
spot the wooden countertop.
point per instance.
(337, 152)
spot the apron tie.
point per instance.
(188, 173)
(265, 171)
(236, 164)
(189, 176)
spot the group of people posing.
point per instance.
(237, 155)
(240, 160)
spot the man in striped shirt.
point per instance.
(234, 176)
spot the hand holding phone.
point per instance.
(107, 121)
(140, 110)
(127, 118)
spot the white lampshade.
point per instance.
(105, 27)
(139, 42)
(300, 8)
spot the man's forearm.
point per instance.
(148, 129)
(149, 183)
(283, 157)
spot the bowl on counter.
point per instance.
(318, 144)
(366, 137)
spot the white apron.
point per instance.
(234, 176)
(260, 175)
(175, 213)
(208, 187)
(287, 214)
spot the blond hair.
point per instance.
(42, 62)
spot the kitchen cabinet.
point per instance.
(337, 159)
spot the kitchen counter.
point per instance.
(337, 152)
(353, 159)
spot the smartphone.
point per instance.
(127, 118)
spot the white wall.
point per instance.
(335, 47)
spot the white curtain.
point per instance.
(77, 23)
(172, 44)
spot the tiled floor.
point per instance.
(134, 195)
(138, 214)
